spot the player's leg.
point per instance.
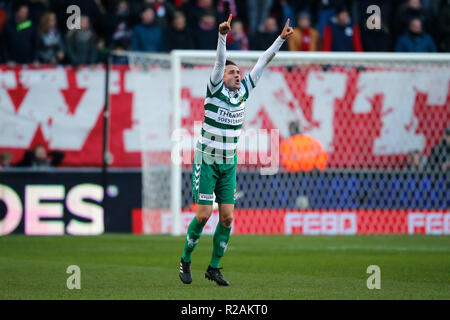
(220, 242)
(203, 184)
(195, 229)
(193, 234)
(225, 196)
(222, 233)
(204, 177)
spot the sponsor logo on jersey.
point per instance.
(204, 196)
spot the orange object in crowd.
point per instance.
(301, 152)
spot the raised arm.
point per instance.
(219, 65)
(268, 55)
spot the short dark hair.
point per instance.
(18, 5)
(209, 12)
(341, 8)
(178, 13)
(39, 145)
(146, 7)
(294, 128)
(303, 14)
(413, 19)
(229, 62)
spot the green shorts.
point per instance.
(210, 177)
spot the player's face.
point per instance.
(40, 153)
(232, 77)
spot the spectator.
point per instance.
(121, 38)
(37, 9)
(147, 36)
(181, 4)
(93, 9)
(102, 52)
(439, 159)
(416, 161)
(198, 9)
(295, 6)
(118, 26)
(178, 36)
(8, 6)
(304, 38)
(225, 7)
(50, 44)
(326, 10)
(205, 36)
(20, 38)
(341, 34)
(415, 40)
(294, 128)
(444, 26)
(82, 44)
(237, 40)
(40, 158)
(135, 10)
(432, 7)
(163, 10)
(287, 10)
(5, 159)
(3, 17)
(261, 40)
(411, 9)
(258, 11)
(377, 39)
(301, 152)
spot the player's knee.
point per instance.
(227, 220)
(203, 213)
(202, 218)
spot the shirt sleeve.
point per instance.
(264, 60)
(248, 83)
(219, 65)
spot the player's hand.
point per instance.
(287, 31)
(225, 27)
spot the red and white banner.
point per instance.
(369, 118)
(272, 221)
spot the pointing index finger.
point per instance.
(287, 23)
(229, 18)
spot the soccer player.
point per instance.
(214, 164)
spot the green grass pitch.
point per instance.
(118, 266)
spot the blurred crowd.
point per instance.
(36, 31)
(38, 157)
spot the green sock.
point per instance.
(192, 237)
(220, 241)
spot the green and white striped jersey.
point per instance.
(224, 109)
(224, 116)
